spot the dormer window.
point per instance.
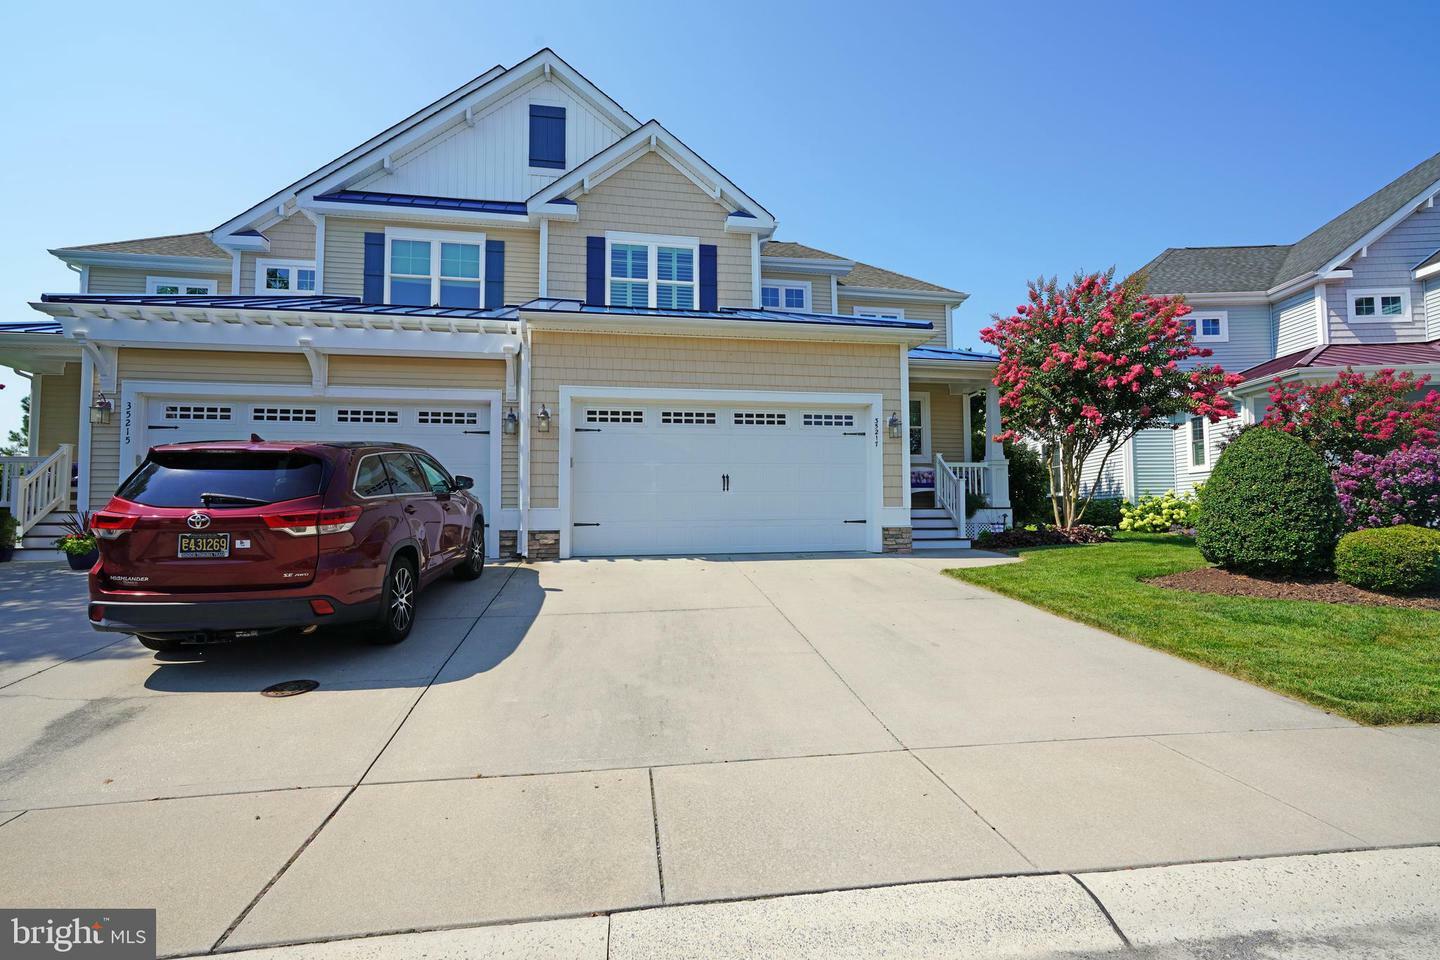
(293, 277)
(547, 136)
(434, 268)
(1380, 306)
(179, 286)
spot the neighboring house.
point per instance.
(1362, 291)
(554, 297)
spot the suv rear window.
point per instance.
(178, 478)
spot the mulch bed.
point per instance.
(1214, 580)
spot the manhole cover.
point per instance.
(290, 688)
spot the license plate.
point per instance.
(196, 546)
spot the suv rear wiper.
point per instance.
(208, 498)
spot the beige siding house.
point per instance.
(549, 295)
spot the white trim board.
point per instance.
(135, 393)
(875, 453)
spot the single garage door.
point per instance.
(458, 435)
(687, 478)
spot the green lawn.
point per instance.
(1372, 664)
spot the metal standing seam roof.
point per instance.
(31, 326)
(944, 353)
(353, 305)
(1335, 356)
(552, 305)
(418, 201)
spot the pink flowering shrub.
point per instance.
(1392, 489)
(1085, 367)
(1357, 413)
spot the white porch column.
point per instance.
(966, 429)
(996, 465)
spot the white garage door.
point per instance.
(456, 434)
(686, 478)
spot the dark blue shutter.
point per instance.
(374, 268)
(595, 271)
(547, 136)
(494, 274)
(709, 293)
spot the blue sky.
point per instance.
(973, 145)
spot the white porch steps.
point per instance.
(39, 541)
(932, 529)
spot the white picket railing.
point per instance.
(950, 491)
(975, 476)
(11, 470)
(43, 488)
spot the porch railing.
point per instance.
(950, 490)
(43, 488)
(11, 470)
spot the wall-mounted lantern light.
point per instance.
(512, 423)
(100, 409)
(542, 419)
(895, 426)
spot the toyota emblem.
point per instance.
(197, 521)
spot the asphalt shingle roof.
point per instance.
(862, 275)
(173, 245)
(1232, 269)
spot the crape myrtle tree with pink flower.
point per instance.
(1085, 367)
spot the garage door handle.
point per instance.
(724, 482)
(854, 521)
(477, 431)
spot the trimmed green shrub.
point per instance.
(1401, 559)
(1103, 512)
(1269, 507)
(1158, 513)
(1029, 485)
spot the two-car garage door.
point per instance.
(678, 477)
(456, 434)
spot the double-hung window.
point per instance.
(1213, 325)
(791, 295)
(654, 272)
(434, 268)
(295, 277)
(1199, 451)
(179, 286)
(1380, 306)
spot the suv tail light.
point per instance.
(309, 523)
(109, 526)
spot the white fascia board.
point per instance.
(1252, 297)
(1420, 273)
(143, 261)
(636, 144)
(250, 244)
(753, 225)
(883, 293)
(1384, 227)
(365, 211)
(555, 211)
(838, 268)
(715, 327)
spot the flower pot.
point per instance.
(83, 561)
(7, 553)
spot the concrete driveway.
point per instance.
(596, 736)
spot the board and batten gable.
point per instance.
(650, 196)
(911, 310)
(1296, 325)
(345, 256)
(491, 159)
(1388, 264)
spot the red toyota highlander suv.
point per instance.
(209, 542)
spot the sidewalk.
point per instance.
(1378, 903)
